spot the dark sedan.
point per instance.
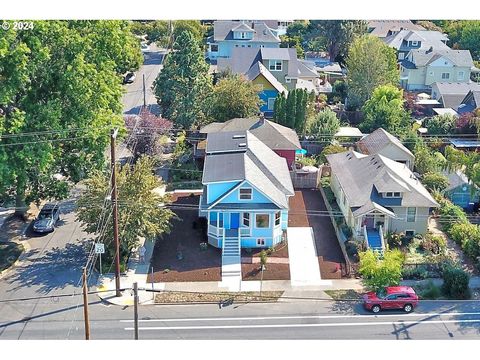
(47, 218)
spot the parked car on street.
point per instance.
(47, 218)
(391, 297)
(129, 77)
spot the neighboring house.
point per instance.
(470, 103)
(281, 139)
(228, 35)
(385, 28)
(382, 142)
(279, 26)
(282, 63)
(377, 195)
(246, 189)
(465, 144)
(451, 94)
(270, 87)
(460, 190)
(406, 40)
(421, 68)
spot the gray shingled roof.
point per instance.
(255, 163)
(223, 30)
(426, 37)
(382, 27)
(379, 139)
(275, 136)
(361, 176)
(257, 69)
(452, 94)
(458, 57)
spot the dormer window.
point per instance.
(275, 65)
(391, 194)
(415, 43)
(243, 35)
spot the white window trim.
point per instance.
(246, 188)
(270, 62)
(249, 220)
(406, 214)
(270, 101)
(446, 78)
(393, 194)
(462, 77)
(414, 43)
(279, 219)
(268, 226)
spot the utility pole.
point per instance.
(144, 93)
(113, 136)
(85, 305)
(135, 308)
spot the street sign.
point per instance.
(99, 248)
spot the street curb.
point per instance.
(20, 259)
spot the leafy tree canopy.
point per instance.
(380, 272)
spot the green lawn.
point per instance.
(9, 253)
(349, 294)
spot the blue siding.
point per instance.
(257, 197)
(214, 191)
(462, 197)
(264, 96)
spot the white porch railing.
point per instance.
(365, 235)
(380, 231)
(277, 231)
(214, 230)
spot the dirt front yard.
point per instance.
(307, 209)
(196, 264)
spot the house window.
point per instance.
(214, 48)
(445, 76)
(243, 46)
(461, 75)
(236, 45)
(262, 46)
(414, 43)
(271, 103)
(275, 65)
(409, 233)
(392, 194)
(401, 56)
(242, 35)
(411, 214)
(260, 242)
(396, 194)
(249, 45)
(245, 194)
(277, 218)
(246, 219)
(262, 221)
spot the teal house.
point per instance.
(460, 190)
(246, 190)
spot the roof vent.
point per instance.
(242, 145)
(238, 137)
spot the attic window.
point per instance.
(238, 137)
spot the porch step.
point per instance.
(374, 241)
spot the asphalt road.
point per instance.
(133, 97)
(292, 320)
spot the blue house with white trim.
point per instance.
(246, 189)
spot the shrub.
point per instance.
(434, 181)
(450, 214)
(431, 292)
(434, 244)
(379, 272)
(347, 231)
(394, 240)
(468, 236)
(307, 161)
(325, 182)
(455, 283)
(415, 273)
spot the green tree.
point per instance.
(140, 209)
(441, 124)
(469, 162)
(183, 85)
(370, 63)
(290, 109)
(60, 78)
(280, 109)
(337, 35)
(455, 283)
(331, 149)
(324, 126)
(435, 181)
(385, 109)
(160, 31)
(426, 161)
(470, 37)
(293, 42)
(301, 110)
(233, 97)
(378, 272)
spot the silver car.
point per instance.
(47, 218)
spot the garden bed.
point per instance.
(171, 297)
(272, 272)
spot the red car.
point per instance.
(391, 297)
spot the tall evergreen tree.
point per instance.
(183, 85)
(280, 109)
(290, 109)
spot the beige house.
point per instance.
(377, 195)
(382, 142)
(421, 68)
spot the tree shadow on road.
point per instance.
(53, 270)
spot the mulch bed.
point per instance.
(240, 297)
(330, 256)
(196, 265)
(272, 272)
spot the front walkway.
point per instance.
(304, 269)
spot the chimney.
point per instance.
(261, 121)
(429, 50)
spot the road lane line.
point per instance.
(207, 327)
(302, 317)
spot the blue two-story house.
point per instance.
(228, 35)
(246, 189)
